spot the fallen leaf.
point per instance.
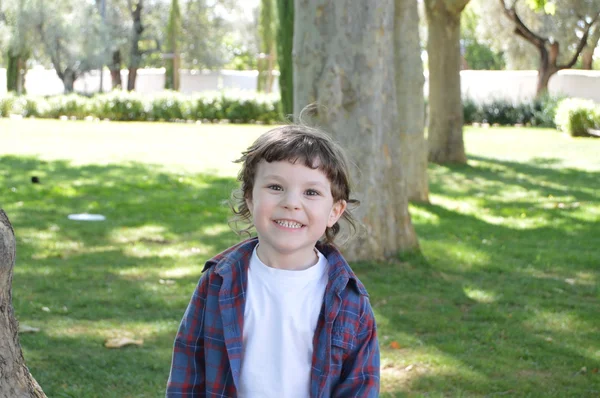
(119, 342)
(395, 345)
(409, 368)
(595, 370)
(28, 329)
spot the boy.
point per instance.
(282, 315)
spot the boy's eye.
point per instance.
(312, 192)
(275, 187)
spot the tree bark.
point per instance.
(115, 70)
(344, 61)
(135, 54)
(411, 101)
(15, 379)
(445, 131)
(68, 77)
(285, 40)
(587, 55)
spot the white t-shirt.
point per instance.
(280, 317)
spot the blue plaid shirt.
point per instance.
(207, 353)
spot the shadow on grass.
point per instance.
(82, 282)
(498, 309)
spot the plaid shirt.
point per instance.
(207, 353)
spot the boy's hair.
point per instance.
(295, 143)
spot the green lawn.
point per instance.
(504, 298)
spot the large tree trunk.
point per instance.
(411, 102)
(15, 379)
(445, 132)
(344, 60)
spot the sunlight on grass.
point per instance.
(546, 320)
(182, 272)
(480, 295)
(501, 299)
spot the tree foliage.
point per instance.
(478, 53)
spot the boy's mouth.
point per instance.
(288, 224)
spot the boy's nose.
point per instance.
(291, 201)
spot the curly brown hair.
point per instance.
(294, 143)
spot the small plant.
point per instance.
(575, 116)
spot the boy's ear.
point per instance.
(336, 212)
(249, 204)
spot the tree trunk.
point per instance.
(68, 77)
(343, 61)
(135, 54)
(15, 379)
(587, 58)
(115, 70)
(445, 132)
(131, 78)
(545, 72)
(411, 101)
(587, 55)
(285, 40)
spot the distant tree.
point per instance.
(173, 37)
(70, 33)
(477, 52)
(14, 21)
(445, 132)
(576, 19)
(285, 42)
(216, 32)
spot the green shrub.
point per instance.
(575, 116)
(120, 105)
(471, 111)
(71, 105)
(544, 110)
(539, 112)
(237, 106)
(170, 106)
(6, 105)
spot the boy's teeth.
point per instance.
(288, 224)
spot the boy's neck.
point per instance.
(291, 262)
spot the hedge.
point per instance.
(539, 112)
(236, 107)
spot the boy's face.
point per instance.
(291, 207)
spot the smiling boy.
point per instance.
(282, 314)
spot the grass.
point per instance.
(502, 300)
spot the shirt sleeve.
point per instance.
(187, 375)
(360, 371)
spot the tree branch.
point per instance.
(581, 45)
(520, 27)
